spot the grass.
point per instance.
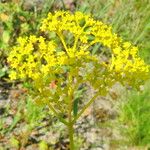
(134, 119)
(26, 112)
(27, 118)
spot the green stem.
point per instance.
(86, 47)
(63, 41)
(71, 132)
(71, 98)
(75, 43)
(85, 107)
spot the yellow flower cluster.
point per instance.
(35, 57)
(30, 57)
(125, 59)
(40, 58)
(128, 66)
(83, 27)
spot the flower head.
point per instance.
(67, 52)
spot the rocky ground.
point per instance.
(93, 129)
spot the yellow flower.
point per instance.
(43, 60)
(13, 75)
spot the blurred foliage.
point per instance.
(43, 145)
(26, 114)
(134, 118)
(24, 111)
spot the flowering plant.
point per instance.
(58, 62)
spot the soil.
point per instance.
(92, 129)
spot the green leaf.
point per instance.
(91, 38)
(82, 22)
(75, 107)
(95, 48)
(2, 73)
(27, 85)
(87, 28)
(6, 36)
(15, 121)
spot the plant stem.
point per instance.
(71, 132)
(71, 98)
(63, 42)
